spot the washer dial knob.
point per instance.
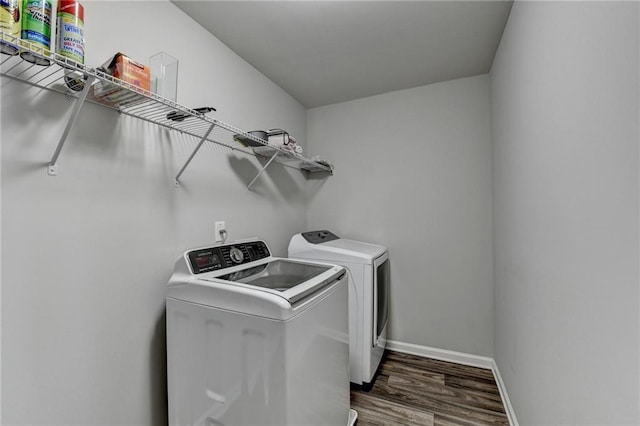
(236, 255)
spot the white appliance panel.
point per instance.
(338, 251)
(265, 348)
(224, 370)
(319, 339)
(366, 342)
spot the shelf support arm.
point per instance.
(53, 167)
(193, 154)
(273, 157)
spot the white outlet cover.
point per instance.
(219, 226)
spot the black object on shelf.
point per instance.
(245, 141)
(180, 116)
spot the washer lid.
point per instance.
(282, 277)
(336, 250)
(272, 287)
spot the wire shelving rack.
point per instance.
(139, 103)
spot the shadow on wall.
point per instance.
(158, 373)
(246, 170)
(315, 182)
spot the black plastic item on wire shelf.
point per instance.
(180, 116)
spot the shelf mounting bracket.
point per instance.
(52, 169)
(273, 157)
(176, 182)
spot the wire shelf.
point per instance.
(80, 82)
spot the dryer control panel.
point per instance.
(221, 257)
(318, 237)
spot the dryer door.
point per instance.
(381, 282)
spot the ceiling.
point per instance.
(324, 52)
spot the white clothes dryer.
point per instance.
(256, 340)
(368, 266)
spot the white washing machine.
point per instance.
(256, 340)
(368, 265)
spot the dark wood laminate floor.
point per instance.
(411, 390)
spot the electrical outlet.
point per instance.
(220, 232)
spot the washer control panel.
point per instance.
(236, 255)
(221, 257)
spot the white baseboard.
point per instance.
(503, 394)
(441, 354)
(459, 358)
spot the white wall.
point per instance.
(564, 89)
(413, 173)
(86, 255)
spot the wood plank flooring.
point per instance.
(411, 390)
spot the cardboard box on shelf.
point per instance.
(126, 69)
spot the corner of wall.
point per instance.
(638, 130)
(511, 414)
(0, 277)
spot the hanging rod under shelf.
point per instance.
(141, 104)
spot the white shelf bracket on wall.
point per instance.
(133, 101)
(52, 170)
(193, 154)
(273, 157)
